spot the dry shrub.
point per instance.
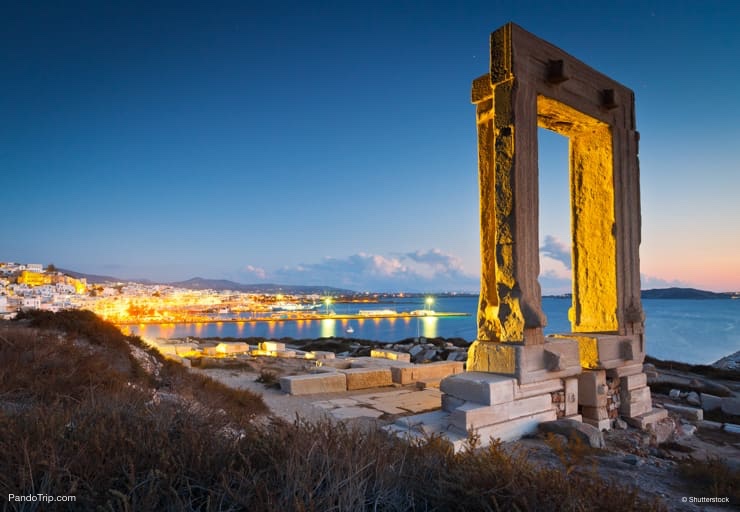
(712, 477)
(269, 378)
(240, 404)
(97, 435)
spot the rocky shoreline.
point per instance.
(731, 362)
(423, 349)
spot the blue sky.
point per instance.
(334, 142)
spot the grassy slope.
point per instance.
(77, 416)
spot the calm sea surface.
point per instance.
(692, 331)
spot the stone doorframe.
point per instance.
(533, 83)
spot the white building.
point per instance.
(31, 303)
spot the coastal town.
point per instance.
(26, 286)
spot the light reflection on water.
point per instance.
(694, 331)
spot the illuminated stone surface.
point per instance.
(517, 378)
(391, 354)
(531, 83)
(410, 373)
(314, 383)
(271, 346)
(232, 348)
(364, 378)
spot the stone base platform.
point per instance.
(489, 406)
(366, 373)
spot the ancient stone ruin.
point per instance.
(516, 377)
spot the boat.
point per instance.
(350, 330)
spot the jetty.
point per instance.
(293, 316)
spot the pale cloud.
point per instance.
(649, 282)
(255, 272)
(557, 250)
(430, 270)
(422, 270)
(556, 273)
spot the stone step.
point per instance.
(646, 419)
(472, 415)
(419, 427)
(511, 430)
(479, 387)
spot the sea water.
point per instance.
(692, 331)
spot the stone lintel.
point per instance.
(520, 55)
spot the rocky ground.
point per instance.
(704, 413)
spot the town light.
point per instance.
(429, 301)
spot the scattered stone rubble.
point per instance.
(690, 406)
(420, 362)
(606, 399)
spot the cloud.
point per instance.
(556, 273)
(256, 272)
(553, 285)
(557, 250)
(422, 270)
(650, 282)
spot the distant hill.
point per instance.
(682, 293)
(98, 279)
(199, 283)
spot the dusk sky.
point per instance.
(334, 143)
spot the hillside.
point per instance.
(200, 283)
(682, 293)
(87, 412)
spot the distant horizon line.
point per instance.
(100, 278)
(445, 292)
